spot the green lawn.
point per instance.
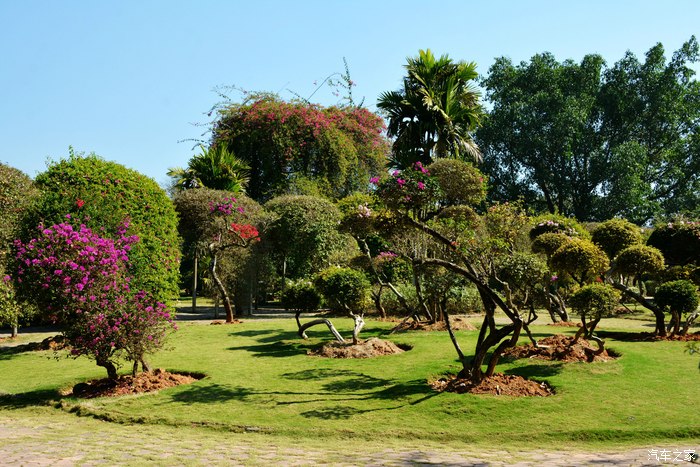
(260, 378)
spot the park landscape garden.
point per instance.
(519, 277)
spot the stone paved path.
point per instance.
(78, 441)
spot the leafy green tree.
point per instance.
(104, 194)
(17, 192)
(436, 111)
(345, 289)
(679, 241)
(592, 302)
(302, 148)
(595, 142)
(678, 297)
(302, 235)
(581, 259)
(216, 168)
(614, 235)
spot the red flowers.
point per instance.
(80, 203)
(245, 231)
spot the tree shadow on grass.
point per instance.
(536, 370)
(267, 335)
(40, 397)
(210, 394)
(7, 353)
(626, 336)
(275, 349)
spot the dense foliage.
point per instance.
(593, 141)
(81, 279)
(300, 148)
(103, 194)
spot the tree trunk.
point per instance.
(305, 326)
(377, 297)
(222, 290)
(419, 295)
(359, 324)
(111, 369)
(194, 283)
(658, 313)
(15, 330)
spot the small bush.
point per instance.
(594, 301)
(677, 296)
(615, 235)
(639, 259)
(553, 223)
(301, 297)
(344, 289)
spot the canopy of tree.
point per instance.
(594, 141)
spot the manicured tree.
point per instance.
(335, 149)
(81, 280)
(17, 192)
(228, 229)
(592, 302)
(614, 235)
(679, 241)
(678, 297)
(103, 194)
(580, 259)
(302, 235)
(347, 290)
(416, 199)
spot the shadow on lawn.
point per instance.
(40, 397)
(267, 335)
(536, 370)
(274, 349)
(211, 394)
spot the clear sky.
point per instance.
(128, 79)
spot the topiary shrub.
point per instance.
(637, 260)
(614, 235)
(301, 297)
(581, 259)
(677, 297)
(592, 302)
(460, 182)
(548, 243)
(343, 289)
(553, 223)
(679, 242)
(102, 195)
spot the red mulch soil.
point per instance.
(457, 323)
(559, 348)
(235, 321)
(143, 382)
(498, 384)
(566, 324)
(686, 338)
(369, 348)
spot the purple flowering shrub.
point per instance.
(410, 189)
(81, 280)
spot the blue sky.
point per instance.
(127, 79)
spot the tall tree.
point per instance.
(434, 113)
(596, 142)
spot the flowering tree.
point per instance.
(302, 148)
(81, 280)
(224, 233)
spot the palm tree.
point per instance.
(216, 168)
(435, 112)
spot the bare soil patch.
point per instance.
(685, 338)
(559, 348)
(142, 383)
(498, 384)
(372, 347)
(219, 322)
(457, 323)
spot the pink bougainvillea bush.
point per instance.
(80, 279)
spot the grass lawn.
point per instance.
(260, 379)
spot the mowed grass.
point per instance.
(259, 378)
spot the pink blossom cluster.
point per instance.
(82, 280)
(226, 207)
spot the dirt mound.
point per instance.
(143, 382)
(369, 348)
(685, 338)
(498, 384)
(559, 348)
(456, 322)
(566, 324)
(218, 322)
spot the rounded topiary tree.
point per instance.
(592, 302)
(678, 297)
(553, 223)
(614, 235)
(103, 195)
(548, 243)
(345, 289)
(679, 242)
(581, 259)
